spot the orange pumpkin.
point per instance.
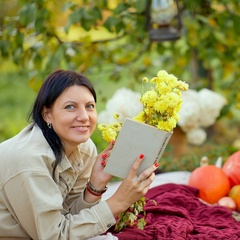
(234, 193)
(211, 182)
(232, 168)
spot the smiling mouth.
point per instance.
(81, 127)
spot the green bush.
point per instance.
(16, 98)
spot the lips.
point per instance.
(81, 127)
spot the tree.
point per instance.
(111, 35)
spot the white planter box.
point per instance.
(136, 138)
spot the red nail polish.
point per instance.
(141, 156)
(156, 164)
(104, 155)
(103, 163)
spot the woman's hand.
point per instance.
(132, 188)
(98, 177)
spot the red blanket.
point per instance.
(180, 215)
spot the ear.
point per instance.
(46, 114)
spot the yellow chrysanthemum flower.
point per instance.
(161, 104)
(149, 98)
(110, 131)
(163, 101)
(116, 115)
(145, 80)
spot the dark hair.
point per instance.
(51, 89)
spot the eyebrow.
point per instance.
(70, 101)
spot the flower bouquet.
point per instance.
(159, 116)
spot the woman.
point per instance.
(51, 178)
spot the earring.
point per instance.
(49, 125)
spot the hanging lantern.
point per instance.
(163, 20)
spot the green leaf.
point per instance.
(140, 5)
(55, 59)
(202, 19)
(110, 23)
(86, 19)
(141, 223)
(86, 24)
(27, 14)
(19, 39)
(4, 48)
(85, 14)
(132, 218)
(236, 20)
(119, 27)
(141, 33)
(37, 60)
(113, 24)
(39, 25)
(68, 25)
(96, 13)
(42, 17)
(75, 16)
(119, 226)
(39, 2)
(121, 8)
(17, 55)
(220, 36)
(68, 5)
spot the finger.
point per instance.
(103, 163)
(104, 158)
(148, 172)
(108, 148)
(147, 182)
(150, 179)
(133, 171)
(139, 179)
(110, 145)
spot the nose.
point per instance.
(82, 115)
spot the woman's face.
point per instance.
(73, 116)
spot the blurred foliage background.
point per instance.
(108, 41)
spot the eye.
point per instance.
(90, 106)
(69, 107)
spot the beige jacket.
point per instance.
(33, 205)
